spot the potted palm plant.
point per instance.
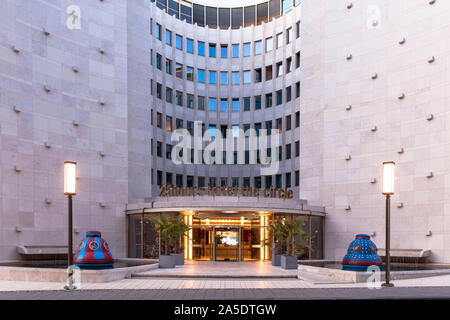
(180, 230)
(292, 229)
(166, 228)
(277, 229)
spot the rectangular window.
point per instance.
(288, 151)
(223, 51)
(168, 178)
(258, 75)
(297, 178)
(179, 180)
(212, 181)
(159, 119)
(288, 180)
(257, 182)
(247, 104)
(235, 77)
(168, 37)
(159, 90)
(235, 105)
(159, 177)
(189, 46)
(179, 70)
(169, 95)
(223, 105)
(279, 40)
(288, 65)
(212, 104)
(179, 42)
(235, 130)
(269, 44)
(258, 128)
(158, 32)
(212, 130)
(258, 47)
(159, 148)
(297, 119)
(190, 127)
(269, 127)
(297, 60)
(268, 181)
(201, 103)
(235, 50)
(279, 181)
(201, 76)
(246, 182)
(257, 102)
(179, 98)
(247, 49)
(247, 77)
(279, 69)
(169, 66)
(190, 73)
(297, 27)
(200, 48)
(268, 73)
(212, 77)
(288, 94)
(201, 182)
(279, 124)
(224, 77)
(297, 89)
(168, 151)
(179, 123)
(297, 148)
(158, 61)
(190, 181)
(288, 35)
(190, 101)
(269, 100)
(212, 50)
(279, 97)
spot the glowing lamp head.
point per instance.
(388, 177)
(70, 178)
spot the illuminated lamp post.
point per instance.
(70, 189)
(388, 190)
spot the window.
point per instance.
(179, 42)
(168, 178)
(279, 124)
(159, 148)
(169, 66)
(269, 127)
(235, 182)
(169, 95)
(278, 181)
(246, 181)
(189, 46)
(297, 119)
(201, 182)
(201, 103)
(168, 151)
(212, 130)
(258, 75)
(224, 77)
(179, 98)
(279, 40)
(235, 48)
(158, 61)
(235, 77)
(179, 70)
(235, 105)
(247, 104)
(159, 119)
(297, 89)
(212, 104)
(288, 180)
(168, 37)
(179, 123)
(246, 49)
(235, 130)
(247, 77)
(258, 47)
(257, 102)
(212, 181)
(288, 35)
(297, 148)
(159, 90)
(269, 44)
(223, 51)
(279, 69)
(159, 178)
(223, 105)
(201, 76)
(269, 100)
(189, 181)
(212, 50)
(158, 32)
(279, 97)
(212, 77)
(268, 73)
(246, 128)
(190, 73)
(179, 180)
(200, 48)
(268, 181)
(288, 151)
(190, 127)
(257, 182)
(297, 178)
(258, 128)
(288, 94)
(297, 27)
(288, 65)
(190, 101)
(297, 60)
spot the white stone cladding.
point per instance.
(331, 82)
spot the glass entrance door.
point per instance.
(202, 243)
(227, 244)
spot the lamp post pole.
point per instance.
(388, 190)
(70, 187)
(70, 233)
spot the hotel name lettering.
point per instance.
(168, 191)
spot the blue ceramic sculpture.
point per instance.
(93, 252)
(361, 254)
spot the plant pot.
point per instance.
(179, 259)
(166, 261)
(289, 262)
(276, 259)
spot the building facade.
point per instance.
(108, 84)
